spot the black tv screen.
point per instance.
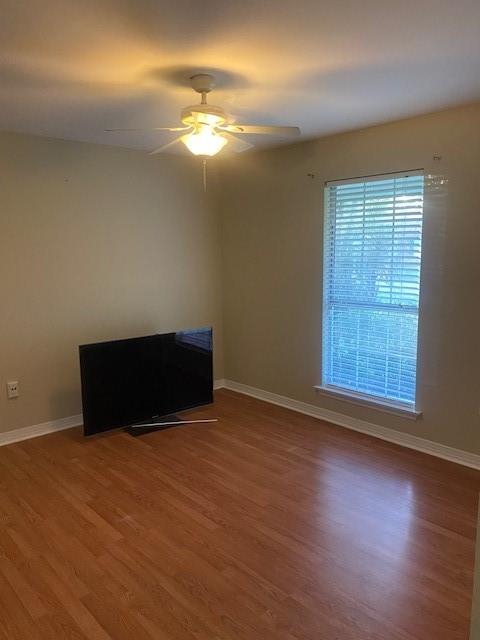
(126, 382)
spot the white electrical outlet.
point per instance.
(13, 389)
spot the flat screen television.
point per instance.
(137, 380)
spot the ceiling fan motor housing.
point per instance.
(203, 114)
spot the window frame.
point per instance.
(403, 408)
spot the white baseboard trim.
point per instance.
(25, 433)
(459, 456)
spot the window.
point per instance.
(372, 256)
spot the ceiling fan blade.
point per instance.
(166, 146)
(153, 129)
(235, 144)
(261, 129)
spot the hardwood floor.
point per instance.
(268, 525)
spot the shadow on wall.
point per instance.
(66, 402)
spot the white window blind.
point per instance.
(372, 258)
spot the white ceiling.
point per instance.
(71, 68)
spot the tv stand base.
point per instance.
(166, 422)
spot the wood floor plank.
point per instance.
(267, 525)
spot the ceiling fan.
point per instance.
(208, 128)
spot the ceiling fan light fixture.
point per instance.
(204, 141)
(211, 127)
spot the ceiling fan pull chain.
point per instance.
(204, 175)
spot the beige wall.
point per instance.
(95, 243)
(272, 266)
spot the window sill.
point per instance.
(364, 401)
